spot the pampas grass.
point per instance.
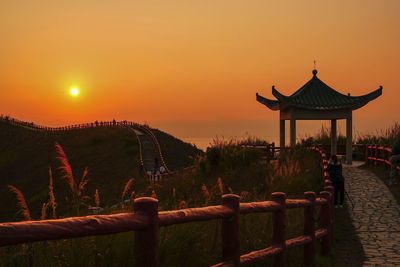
(83, 182)
(77, 190)
(97, 198)
(23, 207)
(43, 215)
(127, 188)
(65, 167)
(52, 199)
(220, 185)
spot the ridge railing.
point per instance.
(33, 126)
(146, 221)
(144, 128)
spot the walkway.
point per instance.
(376, 217)
(149, 150)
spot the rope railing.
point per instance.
(146, 221)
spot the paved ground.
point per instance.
(375, 216)
(149, 150)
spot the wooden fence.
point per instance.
(379, 155)
(37, 127)
(146, 221)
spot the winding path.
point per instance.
(149, 149)
(375, 215)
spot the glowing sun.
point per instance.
(74, 91)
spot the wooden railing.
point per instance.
(272, 151)
(146, 221)
(379, 155)
(37, 127)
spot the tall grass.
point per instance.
(77, 190)
(52, 199)
(384, 137)
(226, 167)
(22, 205)
(322, 137)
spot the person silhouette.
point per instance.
(335, 170)
(155, 165)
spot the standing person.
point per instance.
(155, 168)
(394, 161)
(335, 170)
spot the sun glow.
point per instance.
(74, 91)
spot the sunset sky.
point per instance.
(192, 68)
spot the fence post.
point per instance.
(309, 230)
(327, 183)
(331, 190)
(325, 223)
(273, 150)
(231, 231)
(147, 240)
(268, 152)
(279, 222)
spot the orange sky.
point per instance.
(192, 67)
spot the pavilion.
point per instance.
(315, 100)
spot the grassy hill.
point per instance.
(110, 153)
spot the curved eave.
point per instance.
(355, 102)
(282, 99)
(365, 99)
(271, 104)
(373, 95)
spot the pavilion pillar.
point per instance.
(333, 137)
(282, 133)
(292, 132)
(349, 138)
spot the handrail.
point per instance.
(31, 231)
(377, 154)
(146, 221)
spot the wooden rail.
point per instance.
(146, 221)
(379, 155)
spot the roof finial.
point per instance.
(314, 72)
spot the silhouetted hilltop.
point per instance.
(111, 154)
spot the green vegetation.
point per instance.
(226, 167)
(111, 155)
(177, 154)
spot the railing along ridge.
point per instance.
(36, 127)
(146, 221)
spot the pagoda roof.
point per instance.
(316, 95)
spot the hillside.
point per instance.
(111, 154)
(175, 158)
